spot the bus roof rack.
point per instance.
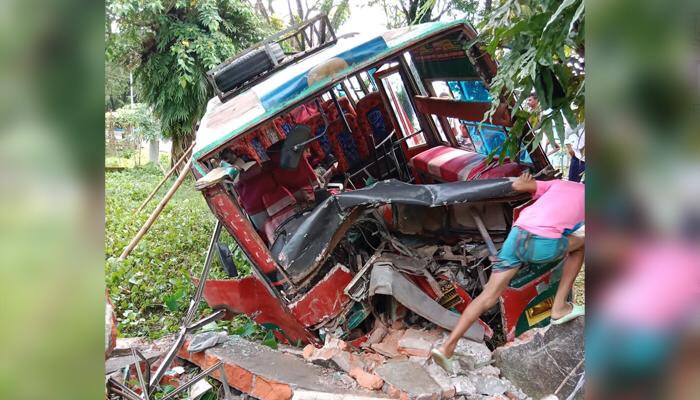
(273, 53)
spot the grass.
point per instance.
(151, 289)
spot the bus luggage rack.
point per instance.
(275, 52)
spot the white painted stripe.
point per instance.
(464, 172)
(435, 164)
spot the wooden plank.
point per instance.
(468, 111)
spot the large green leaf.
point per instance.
(564, 5)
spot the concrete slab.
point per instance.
(410, 379)
(268, 374)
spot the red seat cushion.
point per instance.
(446, 163)
(280, 205)
(332, 111)
(373, 118)
(272, 223)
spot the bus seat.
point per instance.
(320, 148)
(300, 181)
(259, 143)
(331, 110)
(302, 112)
(447, 164)
(283, 126)
(250, 186)
(373, 118)
(349, 148)
(277, 200)
(245, 152)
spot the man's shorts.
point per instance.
(522, 247)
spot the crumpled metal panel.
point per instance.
(385, 280)
(325, 300)
(308, 246)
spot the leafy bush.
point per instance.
(151, 289)
(137, 118)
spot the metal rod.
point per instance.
(205, 274)
(168, 358)
(340, 111)
(191, 311)
(192, 381)
(224, 382)
(213, 317)
(139, 373)
(145, 360)
(122, 390)
(484, 232)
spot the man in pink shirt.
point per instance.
(541, 234)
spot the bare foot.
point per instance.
(560, 312)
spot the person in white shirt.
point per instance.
(575, 146)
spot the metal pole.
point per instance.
(205, 273)
(484, 232)
(340, 111)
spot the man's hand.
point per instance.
(525, 183)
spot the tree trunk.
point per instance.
(153, 153)
(488, 4)
(180, 144)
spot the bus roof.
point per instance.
(224, 121)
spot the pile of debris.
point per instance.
(396, 361)
(393, 363)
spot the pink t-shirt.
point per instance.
(558, 206)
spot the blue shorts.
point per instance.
(522, 247)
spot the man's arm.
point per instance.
(570, 150)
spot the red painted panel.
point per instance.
(250, 296)
(325, 300)
(514, 302)
(240, 227)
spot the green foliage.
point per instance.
(116, 86)
(411, 12)
(151, 289)
(171, 45)
(337, 12)
(536, 42)
(138, 119)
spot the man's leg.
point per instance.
(484, 301)
(572, 266)
(575, 169)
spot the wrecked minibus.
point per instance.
(354, 174)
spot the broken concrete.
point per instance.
(477, 354)
(416, 342)
(488, 385)
(539, 360)
(366, 379)
(389, 347)
(441, 377)
(114, 364)
(463, 386)
(267, 374)
(409, 380)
